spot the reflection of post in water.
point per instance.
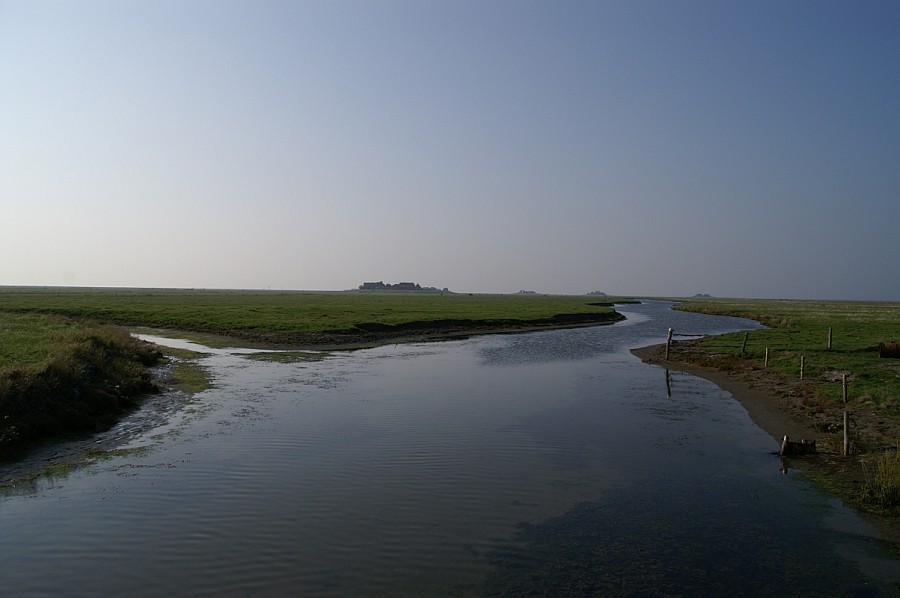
(668, 385)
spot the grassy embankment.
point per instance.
(59, 376)
(64, 369)
(800, 329)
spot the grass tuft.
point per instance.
(882, 485)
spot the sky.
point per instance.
(640, 147)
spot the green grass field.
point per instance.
(29, 338)
(294, 312)
(800, 328)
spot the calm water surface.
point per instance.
(540, 464)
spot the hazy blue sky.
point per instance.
(738, 148)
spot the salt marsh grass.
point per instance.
(59, 376)
(245, 313)
(882, 485)
(801, 329)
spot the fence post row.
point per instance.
(846, 448)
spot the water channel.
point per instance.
(549, 463)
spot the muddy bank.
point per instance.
(769, 411)
(788, 407)
(367, 335)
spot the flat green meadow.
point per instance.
(801, 329)
(225, 311)
(30, 338)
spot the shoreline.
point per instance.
(772, 408)
(46, 456)
(768, 404)
(763, 409)
(364, 340)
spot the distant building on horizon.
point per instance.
(400, 286)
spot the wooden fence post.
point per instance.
(668, 344)
(846, 432)
(846, 417)
(802, 359)
(766, 364)
(744, 346)
(829, 338)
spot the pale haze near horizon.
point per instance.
(653, 148)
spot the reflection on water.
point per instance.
(540, 464)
